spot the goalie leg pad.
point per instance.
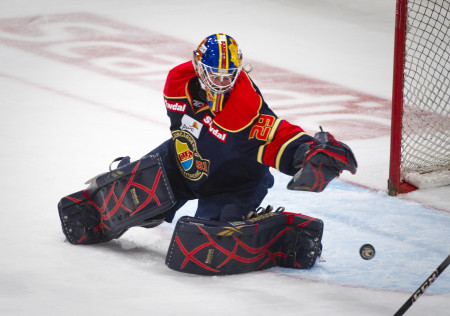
(208, 247)
(133, 195)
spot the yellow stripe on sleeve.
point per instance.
(282, 148)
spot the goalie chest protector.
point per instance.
(273, 239)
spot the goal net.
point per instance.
(420, 132)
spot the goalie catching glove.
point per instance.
(321, 161)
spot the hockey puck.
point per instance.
(367, 251)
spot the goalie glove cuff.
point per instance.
(326, 150)
(301, 153)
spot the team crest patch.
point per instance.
(185, 156)
(190, 163)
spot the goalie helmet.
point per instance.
(217, 62)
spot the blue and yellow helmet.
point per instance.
(218, 62)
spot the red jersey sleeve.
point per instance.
(281, 141)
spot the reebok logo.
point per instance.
(198, 104)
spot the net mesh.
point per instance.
(426, 107)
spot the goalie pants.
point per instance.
(225, 206)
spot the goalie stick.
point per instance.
(423, 287)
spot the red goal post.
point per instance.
(420, 130)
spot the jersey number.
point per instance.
(261, 129)
(202, 166)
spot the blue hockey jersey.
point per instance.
(230, 150)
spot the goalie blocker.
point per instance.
(133, 195)
(208, 247)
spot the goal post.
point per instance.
(420, 127)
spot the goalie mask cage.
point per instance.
(420, 130)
